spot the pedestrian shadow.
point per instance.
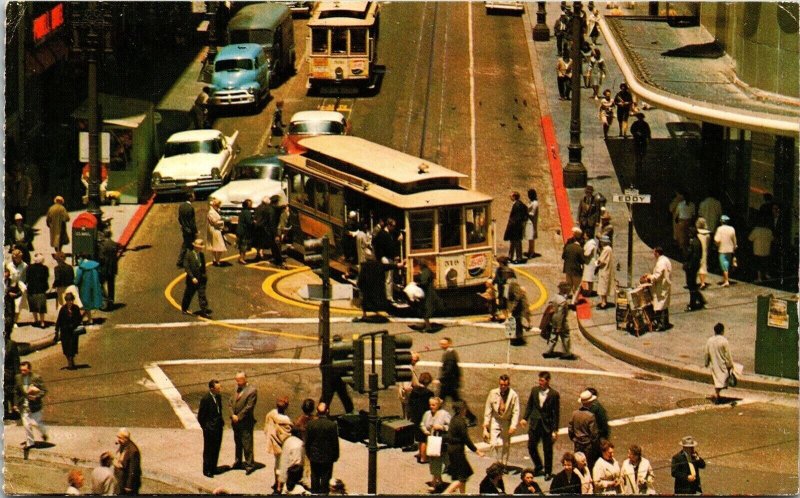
(140, 247)
(77, 367)
(435, 327)
(43, 445)
(724, 400)
(115, 307)
(371, 319)
(222, 469)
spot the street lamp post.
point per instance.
(94, 24)
(541, 32)
(575, 171)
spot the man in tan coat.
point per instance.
(57, 218)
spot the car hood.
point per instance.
(187, 165)
(227, 80)
(238, 190)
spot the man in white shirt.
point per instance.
(725, 238)
(500, 418)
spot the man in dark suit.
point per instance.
(210, 417)
(127, 464)
(195, 265)
(188, 226)
(109, 259)
(272, 232)
(243, 404)
(686, 467)
(322, 449)
(515, 228)
(386, 245)
(542, 417)
(450, 377)
(572, 254)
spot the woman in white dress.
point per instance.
(589, 264)
(532, 223)
(637, 474)
(436, 422)
(704, 235)
(214, 238)
(606, 273)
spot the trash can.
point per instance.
(776, 337)
(84, 235)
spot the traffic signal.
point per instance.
(315, 254)
(347, 362)
(396, 359)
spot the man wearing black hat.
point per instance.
(686, 465)
(196, 279)
(640, 131)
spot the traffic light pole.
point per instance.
(325, 323)
(372, 467)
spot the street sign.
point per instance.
(632, 198)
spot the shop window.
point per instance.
(421, 223)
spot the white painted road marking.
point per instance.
(189, 421)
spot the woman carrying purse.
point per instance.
(68, 326)
(435, 423)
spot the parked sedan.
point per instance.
(200, 160)
(306, 124)
(253, 178)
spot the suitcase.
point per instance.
(396, 432)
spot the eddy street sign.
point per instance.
(632, 197)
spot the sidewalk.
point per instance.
(180, 465)
(679, 351)
(124, 220)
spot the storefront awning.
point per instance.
(705, 89)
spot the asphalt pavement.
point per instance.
(173, 456)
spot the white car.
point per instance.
(253, 178)
(306, 124)
(200, 160)
(507, 6)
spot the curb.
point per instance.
(682, 371)
(135, 222)
(14, 453)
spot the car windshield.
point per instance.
(213, 146)
(233, 65)
(316, 128)
(257, 172)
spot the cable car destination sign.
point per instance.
(632, 196)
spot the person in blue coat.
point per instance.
(87, 279)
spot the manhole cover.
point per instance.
(686, 403)
(645, 376)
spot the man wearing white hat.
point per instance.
(583, 430)
(195, 265)
(686, 465)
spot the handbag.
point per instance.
(79, 330)
(732, 380)
(434, 446)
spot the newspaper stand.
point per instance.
(84, 235)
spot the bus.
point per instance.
(443, 223)
(343, 43)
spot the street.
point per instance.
(456, 87)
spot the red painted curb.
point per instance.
(557, 177)
(135, 221)
(584, 310)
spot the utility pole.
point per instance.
(94, 23)
(575, 171)
(373, 420)
(325, 322)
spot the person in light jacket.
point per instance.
(435, 422)
(718, 358)
(606, 272)
(606, 473)
(725, 239)
(500, 419)
(661, 278)
(637, 473)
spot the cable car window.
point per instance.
(358, 41)
(321, 197)
(450, 227)
(339, 41)
(310, 188)
(319, 41)
(336, 202)
(476, 225)
(421, 223)
(296, 187)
